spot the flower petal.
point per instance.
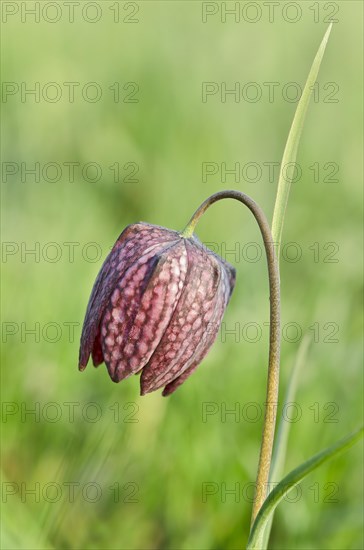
(141, 307)
(135, 240)
(96, 353)
(209, 336)
(189, 321)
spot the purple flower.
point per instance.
(156, 307)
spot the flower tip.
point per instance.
(169, 389)
(114, 375)
(144, 389)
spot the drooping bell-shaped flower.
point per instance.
(156, 307)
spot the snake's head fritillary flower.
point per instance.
(156, 307)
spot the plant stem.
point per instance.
(281, 438)
(274, 337)
(291, 480)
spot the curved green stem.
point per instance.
(274, 340)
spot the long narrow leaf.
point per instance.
(290, 481)
(290, 151)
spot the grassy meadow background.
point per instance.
(124, 472)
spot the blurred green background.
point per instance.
(126, 472)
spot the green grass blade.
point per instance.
(280, 447)
(290, 151)
(291, 480)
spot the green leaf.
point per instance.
(280, 446)
(290, 151)
(291, 480)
